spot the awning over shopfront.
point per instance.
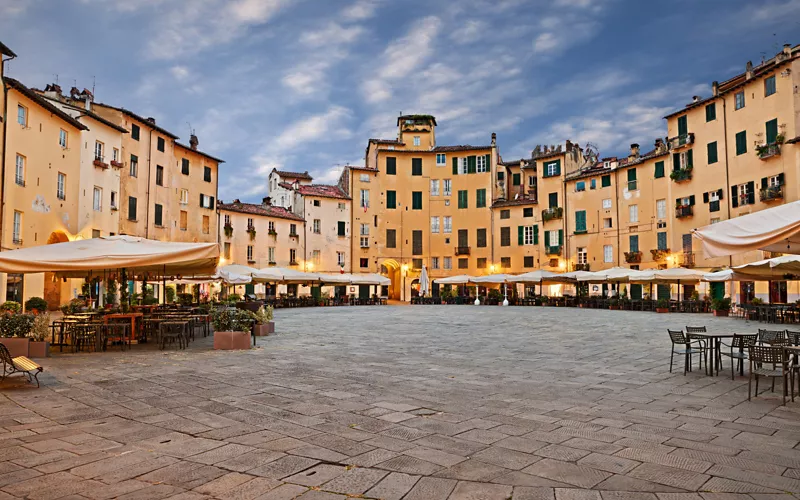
(539, 276)
(461, 279)
(783, 267)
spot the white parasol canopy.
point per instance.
(109, 253)
(776, 267)
(538, 276)
(369, 279)
(613, 275)
(335, 279)
(461, 279)
(774, 229)
(672, 275)
(492, 279)
(235, 272)
(576, 275)
(731, 275)
(423, 281)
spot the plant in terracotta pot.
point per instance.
(231, 328)
(662, 306)
(263, 319)
(35, 305)
(39, 347)
(11, 307)
(14, 330)
(721, 307)
(613, 303)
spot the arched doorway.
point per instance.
(52, 285)
(391, 269)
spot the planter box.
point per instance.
(662, 309)
(721, 313)
(264, 330)
(16, 346)
(39, 349)
(613, 308)
(231, 340)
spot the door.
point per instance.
(663, 292)
(718, 291)
(687, 243)
(636, 292)
(316, 292)
(463, 238)
(777, 292)
(363, 291)
(747, 291)
(683, 126)
(250, 289)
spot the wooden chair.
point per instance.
(20, 364)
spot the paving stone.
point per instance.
(252, 489)
(396, 406)
(670, 460)
(317, 475)
(354, 481)
(393, 487)
(506, 458)
(450, 445)
(482, 436)
(768, 481)
(616, 465)
(518, 478)
(466, 490)
(391, 444)
(722, 484)
(251, 460)
(223, 484)
(522, 444)
(565, 472)
(396, 417)
(409, 465)
(434, 456)
(186, 475)
(431, 488)
(576, 494)
(563, 453)
(320, 495)
(284, 492)
(472, 470)
(319, 453)
(591, 445)
(679, 478)
(115, 490)
(533, 493)
(283, 467)
(371, 458)
(221, 454)
(619, 482)
(628, 495)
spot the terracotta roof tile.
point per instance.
(292, 175)
(141, 119)
(323, 191)
(41, 101)
(464, 147)
(259, 209)
(386, 141)
(189, 148)
(362, 167)
(514, 203)
(286, 185)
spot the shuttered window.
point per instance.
(159, 216)
(462, 199)
(662, 240)
(481, 238)
(391, 238)
(741, 142)
(605, 181)
(580, 221)
(416, 200)
(416, 166)
(416, 242)
(772, 131)
(659, 169)
(634, 242)
(711, 112)
(391, 165)
(391, 199)
(480, 198)
(131, 208)
(712, 153)
(505, 236)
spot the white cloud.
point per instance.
(14, 7)
(181, 73)
(471, 32)
(332, 34)
(361, 10)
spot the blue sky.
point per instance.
(302, 84)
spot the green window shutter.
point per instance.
(712, 153)
(462, 199)
(634, 242)
(764, 182)
(734, 196)
(391, 199)
(711, 112)
(547, 238)
(472, 164)
(480, 198)
(683, 127)
(552, 200)
(751, 194)
(416, 166)
(580, 220)
(741, 142)
(631, 174)
(558, 167)
(772, 131)
(520, 235)
(535, 234)
(455, 166)
(159, 215)
(659, 169)
(662, 241)
(488, 162)
(560, 237)
(676, 161)
(605, 181)
(416, 200)
(516, 179)
(341, 228)
(391, 165)
(689, 158)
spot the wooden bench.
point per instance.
(20, 364)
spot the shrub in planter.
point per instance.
(613, 304)
(721, 307)
(662, 306)
(73, 306)
(39, 347)
(11, 307)
(35, 304)
(231, 328)
(263, 319)
(185, 299)
(14, 330)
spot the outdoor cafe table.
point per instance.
(131, 316)
(714, 340)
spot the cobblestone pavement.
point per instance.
(413, 403)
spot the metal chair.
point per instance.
(772, 337)
(84, 336)
(171, 331)
(761, 355)
(116, 332)
(688, 349)
(739, 350)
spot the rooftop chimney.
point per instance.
(151, 120)
(266, 201)
(494, 139)
(715, 88)
(787, 49)
(568, 145)
(695, 98)
(634, 152)
(193, 142)
(659, 145)
(749, 70)
(236, 201)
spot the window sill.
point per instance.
(20, 183)
(132, 220)
(62, 199)
(184, 229)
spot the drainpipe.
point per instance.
(619, 224)
(3, 155)
(147, 191)
(727, 193)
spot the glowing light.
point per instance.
(562, 265)
(405, 268)
(492, 268)
(310, 266)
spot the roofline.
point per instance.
(85, 112)
(6, 51)
(431, 151)
(230, 207)
(140, 119)
(189, 148)
(33, 96)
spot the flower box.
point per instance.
(721, 313)
(264, 330)
(662, 310)
(17, 346)
(38, 349)
(100, 163)
(116, 164)
(227, 341)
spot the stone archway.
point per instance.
(391, 269)
(52, 285)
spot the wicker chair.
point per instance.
(172, 331)
(772, 337)
(793, 337)
(739, 350)
(686, 347)
(760, 356)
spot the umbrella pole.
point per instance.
(164, 286)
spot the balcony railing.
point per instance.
(659, 253)
(19, 181)
(582, 267)
(553, 250)
(99, 162)
(633, 257)
(681, 174)
(772, 193)
(116, 164)
(16, 240)
(768, 150)
(686, 259)
(680, 141)
(552, 213)
(462, 250)
(294, 235)
(684, 211)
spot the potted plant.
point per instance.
(251, 230)
(39, 347)
(231, 328)
(757, 301)
(228, 228)
(264, 324)
(613, 303)
(662, 306)
(72, 307)
(35, 305)
(721, 307)
(14, 330)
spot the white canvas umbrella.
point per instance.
(335, 279)
(774, 229)
(777, 267)
(492, 279)
(423, 281)
(369, 279)
(461, 279)
(537, 276)
(731, 275)
(613, 275)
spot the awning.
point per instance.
(613, 275)
(461, 279)
(136, 255)
(334, 279)
(369, 279)
(492, 279)
(774, 230)
(539, 276)
(731, 275)
(672, 275)
(233, 274)
(776, 267)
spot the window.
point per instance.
(292, 229)
(270, 226)
(226, 220)
(184, 196)
(505, 236)
(416, 200)
(583, 256)
(391, 166)
(483, 163)
(363, 177)
(532, 181)
(416, 242)
(580, 221)
(527, 212)
(293, 256)
(159, 175)
(115, 155)
(527, 261)
(608, 253)
(60, 189)
(769, 86)
(434, 262)
(633, 242)
(481, 238)
(434, 187)
(391, 238)
(463, 263)
(481, 263)
(365, 198)
(206, 224)
(416, 140)
(160, 144)
(96, 233)
(435, 225)
(659, 170)
(772, 131)
(98, 150)
(505, 214)
(416, 166)
(505, 262)
(391, 199)
(661, 209)
(711, 112)
(134, 132)
(131, 208)
(632, 184)
(605, 181)
(448, 263)
(341, 228)
(134, 172)
(113, 203)
(185, 166)
(364, 234)
(250, 253)
(22, 115)
(226, 251)
(607, 204)
(159, 217)
(528, 235)
(184, 220)
(712, 153)
(448, 224)
(342, 206)
(553, 238)
(739, 100)
(480, 198)
(607, 224)
(501, 175)
(661, 239)
(743, 194)
(17, 229)
(552, 168)
(62, 138)
(97, 199)
(741, 143)
(580, 186)
(19, 175)
(363, 262)
(316, 226)
(448, 187)
(633, 212)
(206, 201)
(463, 200)
(441, 159)
(207, 174)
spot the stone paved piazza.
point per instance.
(414, 403)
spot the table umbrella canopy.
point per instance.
(774, 230)
(424, 286)
(235, 272)
(613, 275)
(288, 276)
(335, 279)
(671, 275)
(731, 275)
(538, 276)
(461, 279)
(492, 279)
(776, 267)
(369, 279)
(110, 253)
(575, 275)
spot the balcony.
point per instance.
(684, 211)
(462, 250)
(294, 235)
(16, 240)
(553, 250)
(680, 141)
(228, 229)
(293, 263)
(659, 253)
(272, 232)
(681, 174)
(686, 259)
(552, 213)
(100, 162)
(19, 181)
(768, 151)
(116, 164)
(582, 267)
(633, 257)
(252, 232)
(771, 193)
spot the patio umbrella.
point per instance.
(613, 275)
(731, 275)
(492, 279)
(461, 279)
(536, 277)
(675, 275)
(369, 279)
(335, 279)
(774, 230)
(235, 272)
(423, 281)
(776, 267)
